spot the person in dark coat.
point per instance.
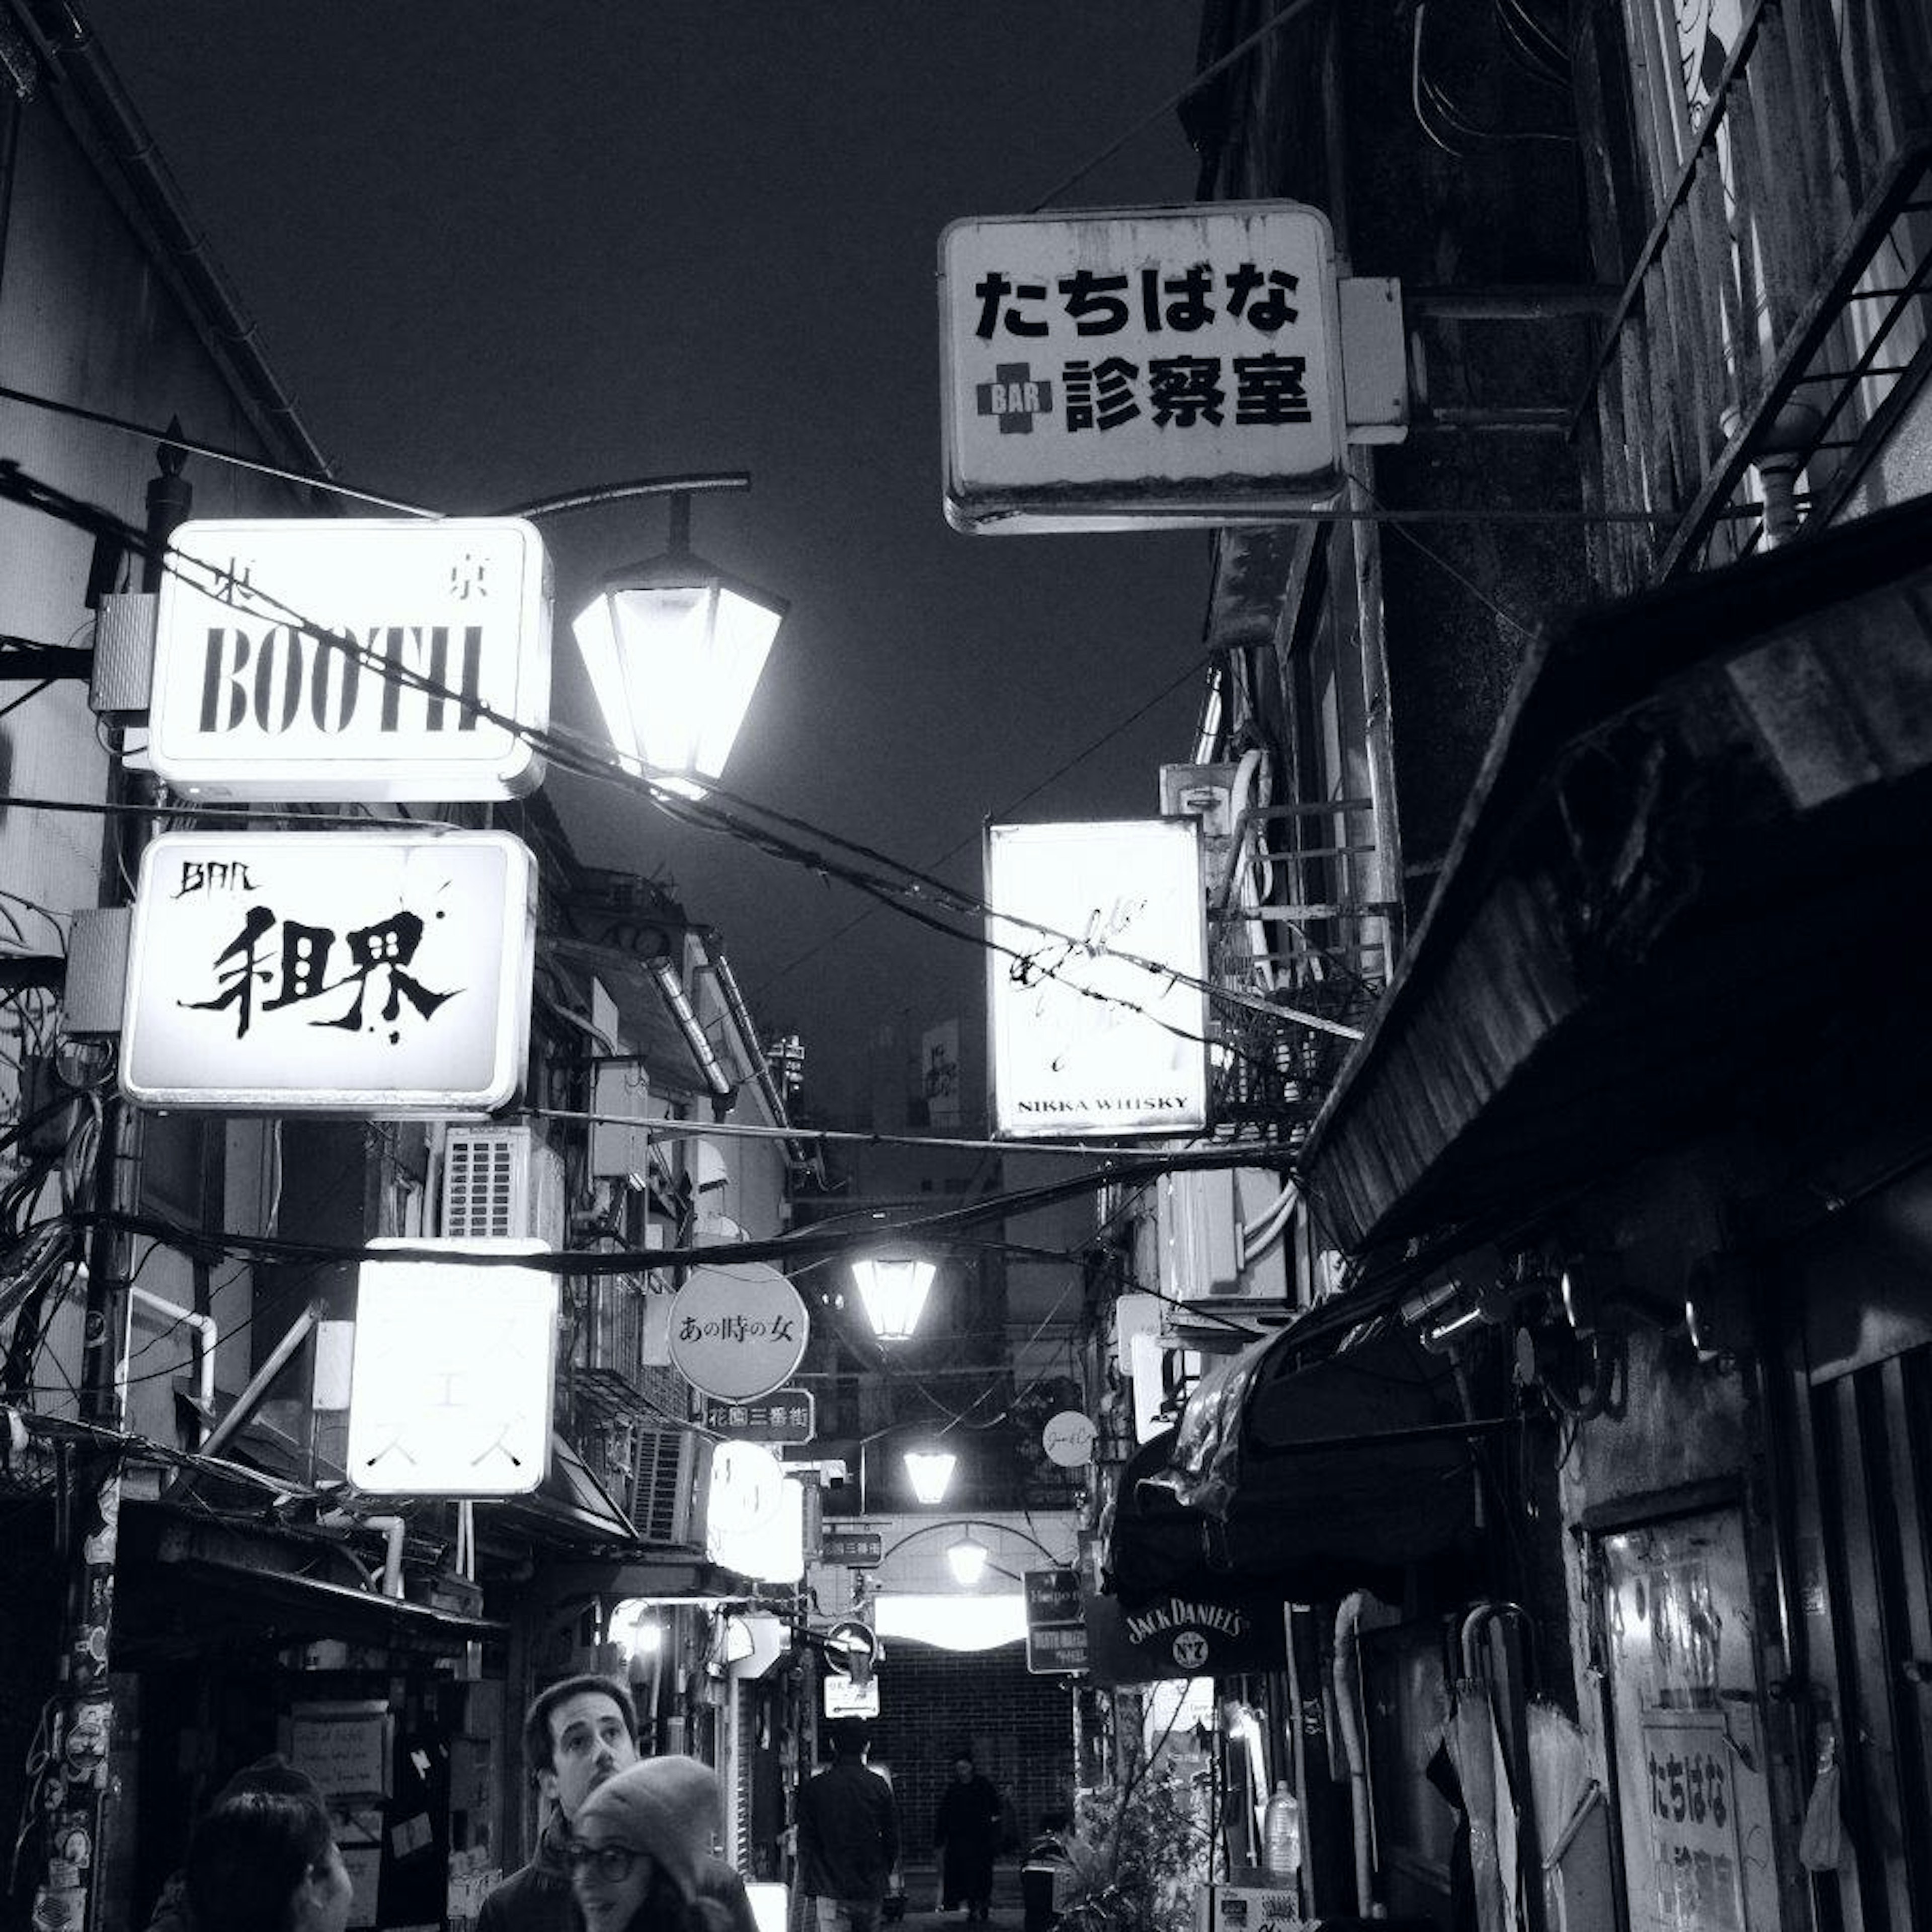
(965, 1834)
(848, 1836)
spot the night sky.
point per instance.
(501, 252)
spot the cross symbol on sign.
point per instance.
(1014, 397)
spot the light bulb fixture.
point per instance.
(930, 1472)
(967, 1560)
(674, 648)
(894, 1288)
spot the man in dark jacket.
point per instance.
(848, 1835)
(577, 1734)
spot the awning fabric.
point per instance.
(1242, 1490)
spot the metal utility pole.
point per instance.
(76, 1798)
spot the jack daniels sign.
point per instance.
(345, 972)
(1140, 367)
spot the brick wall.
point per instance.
(1018, 1727)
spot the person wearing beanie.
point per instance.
(578, 1734)
(639, 1841)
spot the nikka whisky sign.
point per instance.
(341, 658)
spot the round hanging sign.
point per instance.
(737, 1330)
(1068, 1438)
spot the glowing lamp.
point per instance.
(894, 1291)
(674, 648)
(930, 1472)
(967, 1560)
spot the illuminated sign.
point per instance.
(346, 972)
(351, 658)
(1140, 368)
(1096, 931)
(755, 1515)
(451, 1392)
(737, 1330)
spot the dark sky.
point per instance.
(501, 251)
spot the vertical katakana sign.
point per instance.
(1143, 367)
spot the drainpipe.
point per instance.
(1348, 1714)
(249, 1400)
(394, 1528)
(204, 1328)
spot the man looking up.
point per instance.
(577, 1734)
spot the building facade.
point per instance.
(1572, 769)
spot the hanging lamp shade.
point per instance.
(893, 1290)
(674, 648)
(967, 1559)
(930, 1472)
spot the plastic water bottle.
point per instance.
(1281, 1833)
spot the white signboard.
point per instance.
(348, 972)
(1085, 1041)
(844, 1699)
(454, 1363)
(1145, 367)
(737, 1330)
(347, 659)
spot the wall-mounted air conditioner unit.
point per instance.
(666, 1500)
(500, 1181)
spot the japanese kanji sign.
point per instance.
(737, 1330)
(351, 658)
(785, 1415)
(1141, 368)
(345, 972)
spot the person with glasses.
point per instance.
(637, 1847)
(579, 1733)
(267, 1862)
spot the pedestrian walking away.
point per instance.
(638, 1847)
(848, 1836)
(578, 1735)
(965, 1834)
(267, 1858)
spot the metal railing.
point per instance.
(1775, 318)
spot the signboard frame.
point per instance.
(1140, 368)
(1056, 1624)
(218, 896)
(763, 1418)
(832, 1547)
(255, 695)
(1059, 1041)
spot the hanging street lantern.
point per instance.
(930, 1472)
(893, 1289)
(967, 1559)
(674, 648)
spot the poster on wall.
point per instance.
(1693, 1800)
